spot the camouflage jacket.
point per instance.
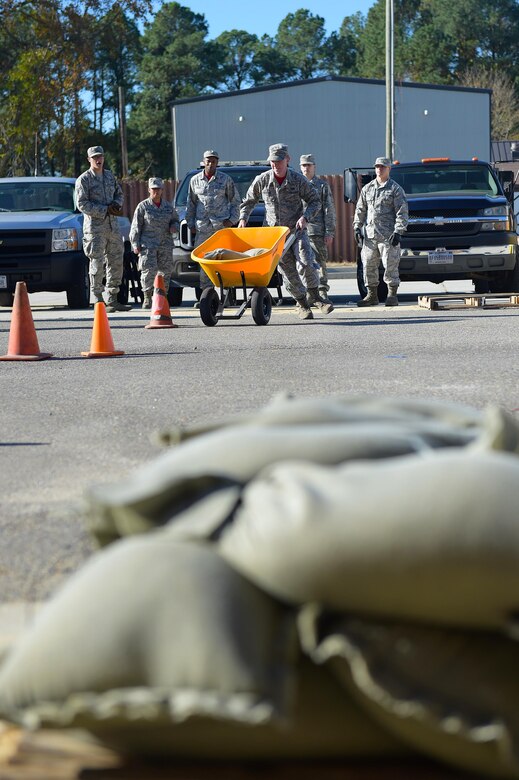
(151, 224)
(323, 222)
(212, 201)
(94, 194)
(284, 203)
(382, 209)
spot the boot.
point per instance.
(304, 312)
(148, 296)
(371, 298)
(98, 297)
(391, 299)
(314, 299)
(113, 305)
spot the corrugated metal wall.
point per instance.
(343, 249)
(341, 121)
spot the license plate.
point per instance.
(436, 258)
(3, 282)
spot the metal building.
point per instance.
(340, 120)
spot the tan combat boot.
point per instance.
(371, 298)
(148, 296)
(304, 312)
(113, 305)
(314, 299)
(391, 299)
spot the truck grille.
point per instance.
(24, 242)
(454, 229)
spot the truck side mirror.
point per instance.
(351, 189)
(507, 182)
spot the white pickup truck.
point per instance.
(41, 236)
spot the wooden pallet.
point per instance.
(47, 755)
(461, 301)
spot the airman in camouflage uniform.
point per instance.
(100, 198)
(383, 213)
(213, 203)
(321, 228)
(284, 192)
(154, 221)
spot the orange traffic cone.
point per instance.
(160, 313)
(102, 344)
(23, 342)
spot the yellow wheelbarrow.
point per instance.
(241, 258)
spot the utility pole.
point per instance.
(122, 131)
(390, 82)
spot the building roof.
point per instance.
(302, 82)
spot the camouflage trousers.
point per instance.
(205, 282)
(373, 252)
(298, 266)
(320, 251)
(153, 259)
(105, 252)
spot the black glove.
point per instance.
(394, 239)
(115, 210)
(358, 236)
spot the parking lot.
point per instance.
(70, 422)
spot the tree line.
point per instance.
(65, 65)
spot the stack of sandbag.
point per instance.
(323, 578)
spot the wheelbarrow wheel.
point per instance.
(209, 302)
(261, 305)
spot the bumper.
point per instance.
(186, 272)
(51, 273)
(472, 261)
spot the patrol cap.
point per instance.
(307, 159)
(211, 153)
(277, 152)
(385, 161)
(155, 182)
(93, 150)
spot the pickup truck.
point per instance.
(461, 223)
(41, 233)
(186, 272)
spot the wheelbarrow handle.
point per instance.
(292, 238)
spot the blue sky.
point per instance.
(263, 17)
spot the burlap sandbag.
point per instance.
(154, 493)
(160, 648)
(450, 424)
(451, 694)
(430, 537)
(231, 254)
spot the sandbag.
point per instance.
(430, 538)
(231, 254)
(456, 423)
(450, 694)
(154, 493)
(160, 648)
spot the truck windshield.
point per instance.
(242, 178)
(37, 196)
(429, 179)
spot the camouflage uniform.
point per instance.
(321, 227)
(150, 233)
(102, 238)
(382, 210)
(210, 202)
(283, 207)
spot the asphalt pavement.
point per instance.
(70, 422)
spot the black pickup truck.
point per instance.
(461, 222)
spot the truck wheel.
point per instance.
(78, 296)
(175, 295)
(261, 305)
(382, 286)
(507, 282)
(6, 299)
(209, 302)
